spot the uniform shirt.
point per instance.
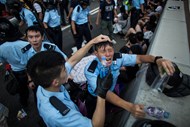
(51, 115)
(27, 16)
(137, 3)
(80, 16)
(11, 52)
(126, 60)
(30, 52)
(52, 18)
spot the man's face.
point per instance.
(106, 51)
(35, 39)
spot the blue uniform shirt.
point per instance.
(51, 115)
(52, 18)
(126, 60)
(28, 54)
(27, 16)
(81, 16)
(137, 3)
(11, 52)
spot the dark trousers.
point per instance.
(56, 35)
(64, 8)
(82, 31)
(22, 79)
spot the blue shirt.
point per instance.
(52, 18)
(51, 115)
(28, 54)
(11, 52)
(137, 3)
(27, 16)
(81, 16)
(126, 60)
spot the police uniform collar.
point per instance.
(47, 93)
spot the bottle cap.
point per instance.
(166, 115)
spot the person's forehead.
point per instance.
(33, 32)
(104, 47)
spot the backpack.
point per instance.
(178, 84)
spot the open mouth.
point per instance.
(108, 59)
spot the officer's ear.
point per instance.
(96, 53)
(55, 82)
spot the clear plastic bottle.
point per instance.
(157, 112)
(159, 82)
(104, 70)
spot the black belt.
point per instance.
(82, 24)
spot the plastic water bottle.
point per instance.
(157, 112)
(159, 82)
(104, 70)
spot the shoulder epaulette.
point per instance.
(26, 48)
(117, 56)
(59, 105)
(49, 46)
(92, 66)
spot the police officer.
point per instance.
(114, 62)
(16, 8)
(79, 21)
(35, 37)
(10, 51)
(52, 23)
(49, 70)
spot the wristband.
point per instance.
(156, 58)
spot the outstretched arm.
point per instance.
(82, 51)
(135, 109)
(162, 63)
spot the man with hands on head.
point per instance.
(49, 70)
(115, 62)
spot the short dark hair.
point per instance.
(44, 67)
(35, 28)
(132, 38)
(102, 44)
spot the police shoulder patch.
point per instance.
(93, 66)
(26, 48)
(49, 46)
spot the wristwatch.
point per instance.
(156, 58)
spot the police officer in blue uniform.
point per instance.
(10, 51)
(35, 37)
(49, 70)
(114, 62)
(52, 23)
(79, 21)
(16, 8)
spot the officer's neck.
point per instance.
(53, 89)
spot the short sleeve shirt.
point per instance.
(80, 16)
(51, 115)
(126, 60)
(11, 52)
(28, 54)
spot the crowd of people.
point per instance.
(40, 64)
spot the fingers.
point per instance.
(138, 111)
(166, 66)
